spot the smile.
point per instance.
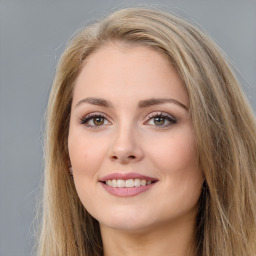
(130, 183)
(125, 185)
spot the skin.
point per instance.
(161, 220)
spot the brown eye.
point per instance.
(159, 120)
(97, 121)
(94, 121)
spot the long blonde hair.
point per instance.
(225, 134)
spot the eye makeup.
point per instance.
(94, 120)
(160, 119)
(155, 119)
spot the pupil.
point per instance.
(159, 120)
(98, 120)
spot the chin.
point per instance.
(128, 226)
(135, 222)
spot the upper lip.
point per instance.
(126, 176)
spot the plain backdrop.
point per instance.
(33, 34)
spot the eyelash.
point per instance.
(90, 117)
(167, 117)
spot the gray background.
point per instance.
(32, 36)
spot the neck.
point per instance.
(174, 239)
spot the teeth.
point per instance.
(114, 183)
(143, 183)
(137, 182)
(109, 182)
(130, 183)
(120, 183)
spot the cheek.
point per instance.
(175, 153)
(176, 161)
(86, 154)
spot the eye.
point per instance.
(160, 120)
(94, 120)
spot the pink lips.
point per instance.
(126, 192)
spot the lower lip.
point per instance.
(126, 192)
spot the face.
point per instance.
(131, 140)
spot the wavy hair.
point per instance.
(225, 135)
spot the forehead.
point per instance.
(129, 71)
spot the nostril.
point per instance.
(122, 158)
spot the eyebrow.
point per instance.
(95, 101)
(154, 101)
(142, 104)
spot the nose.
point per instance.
(126, 147)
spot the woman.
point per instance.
(150, 144)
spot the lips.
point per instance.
(127, 184)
